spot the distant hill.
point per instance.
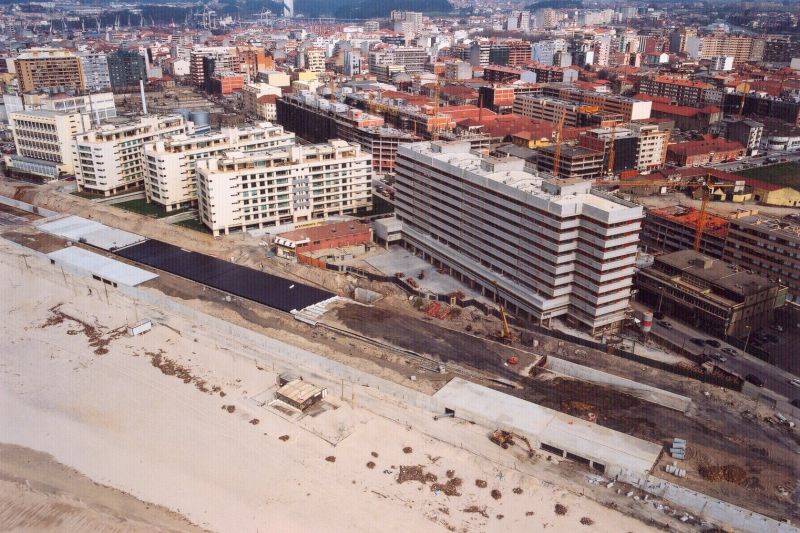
(364, 9)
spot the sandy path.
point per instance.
(122, 422)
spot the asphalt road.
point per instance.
(751, 162)
(775, 379)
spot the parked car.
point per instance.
(698, 342)
(796, 402)
(666, 325)
(755, 380)
(795, 383)
(730, 351)
(719, 357)
(712, 342)
(658, 316)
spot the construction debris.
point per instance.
(475, 509)
(450, 488)
(730, 473)
(561, 510)
(496, 494)
(331, 459)
(586, 521)
(481, 484)
(415, 473)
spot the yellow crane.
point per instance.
(611, 149)
(708, 188)
(559, 132)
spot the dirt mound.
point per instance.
(255, 421)
(496, 494)
(586, 521)
(407, 449)
(331, 459)
(475, 509)
(229, 408)
(517, 490)
(481, 484)
(370, 465)
(284, 438)
(374, 454)
(561, 510)
(415, 473)
(450, 488)
(730, 473)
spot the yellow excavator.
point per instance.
(504, 439)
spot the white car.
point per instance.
(795, 383)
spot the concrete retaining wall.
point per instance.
(639, 390)
(41, 211)
(720, 512)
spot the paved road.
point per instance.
(775, 379)
(750, 162)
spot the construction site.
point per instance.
(594, 424)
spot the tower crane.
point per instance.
(708, 188)
(435, 128)
(611, 149)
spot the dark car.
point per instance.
(698, 342)
(658, 316)
(755, 380)
(712, 342)
(796, 402)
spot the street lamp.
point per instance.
(660, 298)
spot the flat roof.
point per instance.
(574, 435)
(299, 391)
(99, 265)
(788, 226)
(76, 228)
(715, 271)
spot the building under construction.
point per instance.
(674, 228)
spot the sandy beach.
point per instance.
(172, 418)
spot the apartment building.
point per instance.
(241, 191)
(682, 91)
(738, 46)
(49, 70)
(627, 108)
(126, 69)
(314, 59)
(543, 247)
(457, 71)
(44, 141)
(110, 159)
(652, 148)
(710, 294)
(252, 92)
(382, 142)
(673, 228)
(200, 70)
(317, 120)
(510, 52)
(171, 174)
(768, 246)
(547, 109)
(625, 142)
(95, 71)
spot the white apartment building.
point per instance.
(110, 159)
(314, 60)
(95, 71)
(44, 141)
(543, 247)
(171, 175)
(242, 191)
(652, 148)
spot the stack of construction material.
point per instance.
(678, 449)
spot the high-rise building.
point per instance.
(543, 247)
(171, 176)
(651, 151)
(95, 71)
(240, 191)
(49, 70)
(126, 69)
(738, 46)
(110, 159)
(198, 62)
(44, 143)
(315, 59)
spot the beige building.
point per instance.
(49, 69)
(44, 142)
(110, 159)
(171, 176)
(315, 60)
(652, 148)
(241, 191)
(252, 92)
(738, 46)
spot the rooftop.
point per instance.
(689, 216)
(323, 232)
(715, 272)
(788, 226)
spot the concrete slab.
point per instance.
(78, 259)
(621, 454)
(93, 233)
(398, 259)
